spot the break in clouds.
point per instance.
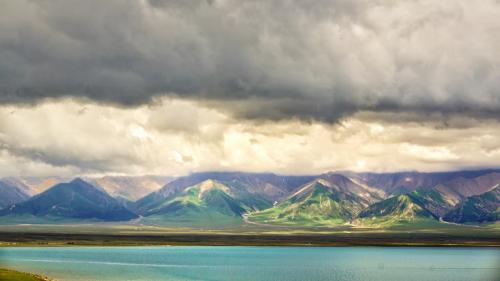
(171, 87)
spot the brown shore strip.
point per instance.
(210, 239)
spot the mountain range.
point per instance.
(214, 199)
(130, 188)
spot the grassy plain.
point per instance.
(441, 234)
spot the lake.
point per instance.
(256, 263)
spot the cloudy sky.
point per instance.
(294, 87)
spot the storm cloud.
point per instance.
(268, 60)
(298, 87)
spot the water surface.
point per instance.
(256, 263)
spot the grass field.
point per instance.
(246, 234)
(12, 275)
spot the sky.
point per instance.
(132, 87)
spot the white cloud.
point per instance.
(426, 153)
(68, 137)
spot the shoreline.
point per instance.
(32, 239)
(13, 275)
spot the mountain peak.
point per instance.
(78, 180)
(208, 184)
(312, 186)
(74, 200)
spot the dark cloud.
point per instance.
(274, 60)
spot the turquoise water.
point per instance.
(256, 263)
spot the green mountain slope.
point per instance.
(208, 203)
(405, 208)
(325, 201)
(479, 208)
(433, 200)
(262, 188)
